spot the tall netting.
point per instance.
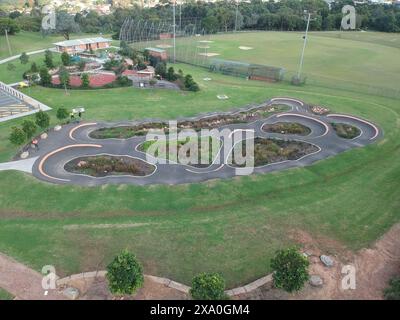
(247, 70)
(193, 45)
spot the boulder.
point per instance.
(57, 128)
(316, 281)
(327, 261)
(24, 155)
(71, 293)
(44, 135)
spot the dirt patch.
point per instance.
(374, 267)
(104, 226)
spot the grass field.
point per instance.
(4, 295)
(31, 41)
(230, 226)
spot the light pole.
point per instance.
(304, 47)
(174, 27)
(8, 42)
(237, 14)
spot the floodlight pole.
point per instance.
(174, 11)
(180, 15)
(237, 14)
(304, 47)
(8, 42)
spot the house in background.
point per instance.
(158, 53)
(80, 45)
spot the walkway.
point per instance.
(22, 282)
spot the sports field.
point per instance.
(230, 226)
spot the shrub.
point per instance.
(208, 286)
(62, 114)
(24, 58)
(171, 76)
(123, 81)
(65, 59)
(45, 77)
(290, 269)
(17, 136)
(10, 67)
(48, 59)
(153, 82)
(393, 291)
(34, 68)
(29, 127)
(42, 119)
(124, 274)
(161, 69)
(190, 84)
(85, 80)
(81, 65)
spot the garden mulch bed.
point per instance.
(267, 151)
(345, 131)
(102, 166)
(287, 128)
(213, 122)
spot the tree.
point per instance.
(171, 76)
(65, 24)
(190, 84)
(17, 136)
(290, 269)
(34, 68)
(65, 58)
(208, 286)
(24, 58)
(48, 59)
(10, 25)
(42, 119)
(124, 274)
(62, 113)
(29, 127)
(11, 66)
(64, 77)
(85, 80)
(45, 77)
(161, 69)
(393, 291)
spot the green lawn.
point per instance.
(31, 41)
(229, 226)
(4, 295)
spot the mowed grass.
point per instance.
(229, 226)
(4, 295)
(337, 59)
(31, 41)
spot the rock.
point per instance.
(327, 261)
(24, 155)
(316, 281)
(71, 293)
(57, 128)
(44, 136)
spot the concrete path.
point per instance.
(22, 282)
(5, 60)
(20, 165)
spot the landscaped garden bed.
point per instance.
(346, 131)
(198, 145)
(125, 132)
(104, 165)
(267, 151)
(287, 128)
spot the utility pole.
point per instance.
(180, 15)
(174, 22)
(237, 14)
(304, 47)
(8, 42)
